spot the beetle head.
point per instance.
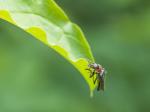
(94, 65)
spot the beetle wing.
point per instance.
(100, 84)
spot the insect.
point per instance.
(99, 71)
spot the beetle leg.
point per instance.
(88, 69)
(94, 80)
(92, 72)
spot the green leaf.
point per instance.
(48, 23)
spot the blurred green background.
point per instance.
(34, 78)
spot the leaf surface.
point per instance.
(45, 20)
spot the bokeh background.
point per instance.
(34, 78)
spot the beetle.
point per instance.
(99, 71)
